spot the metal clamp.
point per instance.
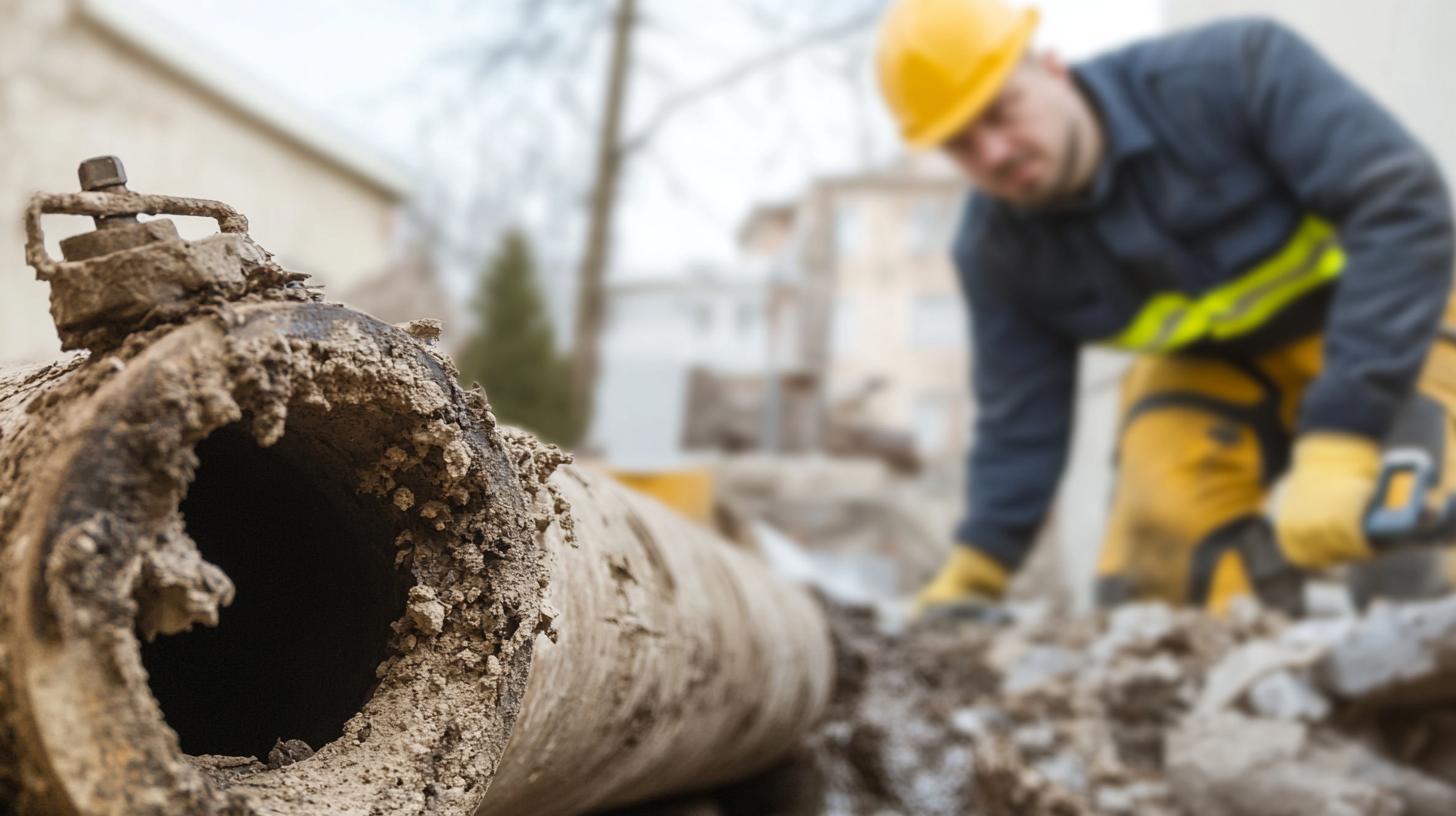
(102, 204)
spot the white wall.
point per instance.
(721, 326)
(638, 420)
(655, 334)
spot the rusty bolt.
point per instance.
(105, 173)
(102, 173)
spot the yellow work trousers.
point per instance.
(1201, 443)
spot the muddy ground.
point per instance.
(1144, 711)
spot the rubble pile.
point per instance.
(1146, 710)
(1044, 715)
(875, 528)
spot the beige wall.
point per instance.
(882, 269)
(69, 90)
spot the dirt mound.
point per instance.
(1146, 710)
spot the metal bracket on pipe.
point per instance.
(100, 204)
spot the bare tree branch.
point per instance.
(680, 190)
(743, 70)
(511, 103)
(606, 176)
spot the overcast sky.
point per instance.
(354, 61)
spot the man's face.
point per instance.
(1024, 148)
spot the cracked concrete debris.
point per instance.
(1147, 710)
(1394, 651)
(1239, 765)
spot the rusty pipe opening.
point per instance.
(241, 457)
(364, 558)
(294, 655)
(338, 524)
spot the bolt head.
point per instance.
(102, 172)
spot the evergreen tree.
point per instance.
(513, 353)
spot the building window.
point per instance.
(848, 229)
(930, 418)
(703, 319)
(938, 322)
(784, 328)
(747, 319)
(844, 327)
(927, 228)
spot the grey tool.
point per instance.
(1418, 522)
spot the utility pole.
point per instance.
(590, 299)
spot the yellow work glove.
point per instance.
(1321, 520)
(968, 575)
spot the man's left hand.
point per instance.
(1321, 518)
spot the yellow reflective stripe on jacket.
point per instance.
(1171, 320)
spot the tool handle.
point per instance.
(1278, 583)
(1414, 523)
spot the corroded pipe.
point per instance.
(688, 665)
(261, 554)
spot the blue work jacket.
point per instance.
(1250, 194)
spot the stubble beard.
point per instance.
(1062, 189)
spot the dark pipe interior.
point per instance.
(294, 656)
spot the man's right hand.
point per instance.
(968, 577)
(1321, 517)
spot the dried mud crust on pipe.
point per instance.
(95, 458)
(677, 661)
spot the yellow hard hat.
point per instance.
(941, 61)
